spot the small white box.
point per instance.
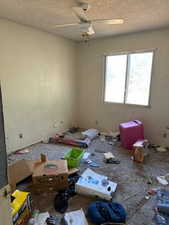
(76, 218)
(93, 184)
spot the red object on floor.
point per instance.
(130, 132)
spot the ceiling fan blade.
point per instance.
(66, 25)
(79, 12)
(90, 30)
(107, 21)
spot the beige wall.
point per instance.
(90, 85)
(37, 73)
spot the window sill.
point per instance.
(127, 104)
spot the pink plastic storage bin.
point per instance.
(130, 132)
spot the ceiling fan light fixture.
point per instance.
(90, 30)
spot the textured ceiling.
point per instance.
(45, 14)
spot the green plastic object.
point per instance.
(74, 157)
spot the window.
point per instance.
(128, 78)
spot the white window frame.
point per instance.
(128, 53)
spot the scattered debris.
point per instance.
(43, 157)
(61, 139)
(109, 155)
(53, 220)
(100, 150)
(92, 163)
(162, 208)
(162, 180)
(140, 149)
(149, 180)
(161, 149)
(62, 198)
(75, 218)
(147, 197)
(23, 151)
(110, 158)
(152, 191)
(102, 138)
(86, 155)
(73, 130)
(163, 201)
(42, 217)
(61, 201)
(131, 196)
(91, 133)
(90, 183)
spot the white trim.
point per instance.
(129, 52)
(127, 76)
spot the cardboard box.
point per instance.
(21, 207)
(50, 176)
(19, 171)
(93, 184)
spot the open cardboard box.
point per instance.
(19, 171)
(22, 169)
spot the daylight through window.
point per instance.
(128, 78)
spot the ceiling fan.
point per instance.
(85, 25)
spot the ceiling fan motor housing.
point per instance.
(85, 6)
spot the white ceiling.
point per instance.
(45, 14)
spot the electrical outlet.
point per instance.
(96, 122)
(164, 135)
(20, 135)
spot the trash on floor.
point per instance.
(86, 155)
(53, 220)
(110, 158)
(102, 138)
(75, 218)
(93, 184)
(100, 150)
(163, 201)
(162, 180)
(74, 157)
(140, 150)
(61, 200)
(106, 212)
(50, 175)
(161, 149)
(73, 130)
(38, 218)
(162, 208)
(60, 139)
(92, 163)
(152, 191)
(21, 202)
(23, 151)
(91, 133)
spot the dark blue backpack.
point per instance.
(103, 212)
